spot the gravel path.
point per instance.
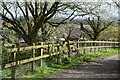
(105, 69)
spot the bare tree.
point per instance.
(27, 18)
(95, 27)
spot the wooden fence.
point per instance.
(57, 49)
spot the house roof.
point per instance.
(76, 32)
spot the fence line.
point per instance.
(57, 49)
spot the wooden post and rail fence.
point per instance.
(57, 49)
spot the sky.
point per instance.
(107, 11)
(112, 11)
(66, 0)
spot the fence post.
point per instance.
(53, 48)
(68, 46)
(13, 66)
(41, 61)
(59, 55)
(33, 56)
(94, 46)
(48, 49)
(114, 45)
(109, 45)
(77, 46)
(90, 47)
(99, 46)
(84, 48)
(63, 47)
(105, 45)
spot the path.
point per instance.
(106, 68)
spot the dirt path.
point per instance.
(106, 68)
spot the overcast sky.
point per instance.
(110, 10)
(66, 0)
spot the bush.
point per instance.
(66, 60)
(5, 55)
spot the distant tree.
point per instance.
(96, 26)
(110, 33)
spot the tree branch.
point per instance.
(55, 5)
(5, 7)
(31, 9)
(61, 21)
(86, 31)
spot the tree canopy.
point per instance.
(27, 19)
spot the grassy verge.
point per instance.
(43, 72)
(79, 58)
(4, 73)
(70, 62)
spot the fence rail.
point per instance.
(57, 48)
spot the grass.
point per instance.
(4, 73)
(67, 62)
(43, 72)
(70, 62)
(79, 58)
